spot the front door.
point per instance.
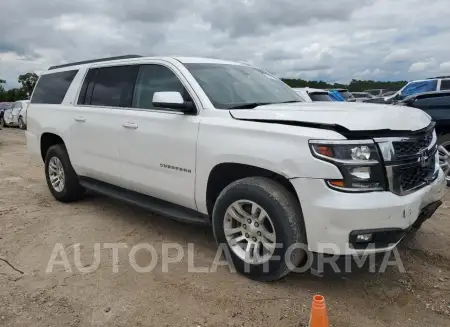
(158, 145)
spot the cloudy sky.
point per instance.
(331, 40)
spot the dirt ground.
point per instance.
(32, 222)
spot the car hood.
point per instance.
(354, 116)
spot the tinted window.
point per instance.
(113, 86)
(445, 84)
(151, 79)
(86, 89)
(319, 96)
(52, 88)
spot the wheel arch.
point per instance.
(225, 173)
(47, 140)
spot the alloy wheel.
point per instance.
(249, 232)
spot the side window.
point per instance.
(151, 79)
(445, 84)
(113, 86)
(52, 88)
(86, 89)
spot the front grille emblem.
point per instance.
(424, 158)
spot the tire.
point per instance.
(445, 141)
(2, 122)
(71, 190)
(21, 123)
(286, 218)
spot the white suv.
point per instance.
(228, 145)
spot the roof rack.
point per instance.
(94, 60)
(438, 77)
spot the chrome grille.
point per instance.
(410, 161)
(414, 146)
(411, 177)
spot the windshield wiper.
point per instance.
(292, 101)
(250, 105)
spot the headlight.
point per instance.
(358, 161)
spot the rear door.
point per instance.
(97, 121)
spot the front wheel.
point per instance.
(261, 225)
(21, 123)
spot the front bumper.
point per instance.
(331, 216)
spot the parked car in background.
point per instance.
(346, 95)
(433, 84)
(362, 96)
(13, 117)
(335, 96)
(377, 92)
(437, 105)
(311, 94)
(3, 107)
(22, 121)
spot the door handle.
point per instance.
(80, 119)
(130, 125)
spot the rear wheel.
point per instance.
(261, 224)
(2, 122)
(444, 155)
(61, 178)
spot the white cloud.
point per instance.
(398, 55)
(421, 66)
(334, 41)
(445, 67)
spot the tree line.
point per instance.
(354, 86)
(28, 81)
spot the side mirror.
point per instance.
(172, 100)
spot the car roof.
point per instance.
(135, 59)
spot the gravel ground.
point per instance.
(32, 222)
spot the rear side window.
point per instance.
(109, 86)
(445, 84)
(52, 88)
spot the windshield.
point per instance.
(319, 96)
(229, 86)
(418, 87)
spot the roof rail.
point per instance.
(94, 60)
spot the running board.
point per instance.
(155, 205)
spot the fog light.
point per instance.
(363, 238)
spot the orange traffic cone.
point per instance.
(319, 316)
